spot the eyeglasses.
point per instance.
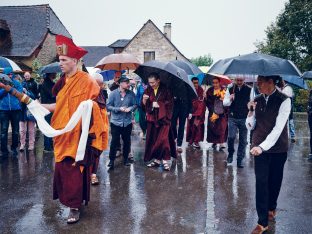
(195, 82)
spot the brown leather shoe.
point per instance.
(272, 215)
(259, 229)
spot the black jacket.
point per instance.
(46, 92)
(32, 87)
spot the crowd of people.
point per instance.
(162, 117)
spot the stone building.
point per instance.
(28, 33)
(149, 43)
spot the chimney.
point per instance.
(5, 36)
(167, 30)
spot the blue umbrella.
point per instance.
(109, 74)
(6, 63)
(307, 75)
(295, 80)
(50, 68)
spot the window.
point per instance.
(149, 55)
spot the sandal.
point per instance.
(74, 216)
(166, 166)
(153, 164)
(94, 180)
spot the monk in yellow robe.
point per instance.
(71, 183)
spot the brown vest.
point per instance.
(266, 114)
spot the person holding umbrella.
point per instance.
(115, 84)
(165, 80)
(157, 102)
(267, 117)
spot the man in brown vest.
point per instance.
(267, 117)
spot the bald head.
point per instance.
(27, 76)
(98, 78)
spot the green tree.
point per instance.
(205, 60)
(35, 68)
(290, 37)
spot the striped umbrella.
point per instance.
(6, 63)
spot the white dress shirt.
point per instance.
(227, 98)
(281, 121)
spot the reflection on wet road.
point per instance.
(200, 195)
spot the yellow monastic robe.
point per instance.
(78, 88)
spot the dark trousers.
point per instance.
(240, 126)
(179, 112)
(310, 126)
(142, 120)
(7, 117)
(269, 176)
(48, 141)
(125, 133)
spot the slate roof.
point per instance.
(95, 54)
(121, 43)
(28, 27)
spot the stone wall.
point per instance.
(151, 39)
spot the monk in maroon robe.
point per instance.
(196, 122)
(217, 129)
(157, 102)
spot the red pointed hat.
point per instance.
(66, 46)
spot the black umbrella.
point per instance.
(307, 75)
(50, 68)
(172, 76)
(255, 64)
(189, 68)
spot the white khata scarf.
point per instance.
(83, 112)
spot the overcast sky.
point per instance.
(223, 28)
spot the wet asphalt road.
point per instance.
(199, 195)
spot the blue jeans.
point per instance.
(7, 117)
(292, 129)
(234, 125)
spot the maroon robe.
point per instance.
(160, 143)
(217, 132)
(196, 125)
